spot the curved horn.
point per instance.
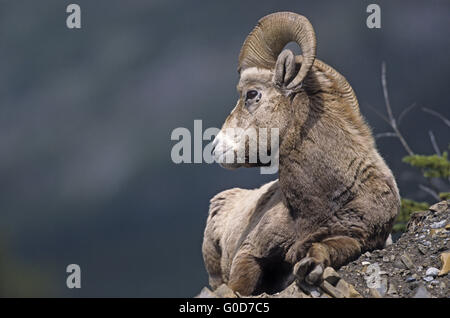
(263, 45)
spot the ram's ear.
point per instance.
(285, 69)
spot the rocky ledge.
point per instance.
(416, 265)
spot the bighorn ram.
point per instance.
(335, 197)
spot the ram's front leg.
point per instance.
(245, 274)
(334, 251)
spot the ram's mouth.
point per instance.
(226, 158)
(232, 154)
(224, 152)
(221, 157)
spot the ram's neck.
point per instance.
(301, 191)
(311, 172)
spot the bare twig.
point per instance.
(386, 95)
(430, 191)
(434, 143)
(379, 114)
(435, 113)
(392, 121)
(385, 134)
(404, 112)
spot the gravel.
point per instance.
(414, 260)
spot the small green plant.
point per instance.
(433, 166)
(444, 195)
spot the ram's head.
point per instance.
(270, 85)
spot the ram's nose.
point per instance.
(215, 143)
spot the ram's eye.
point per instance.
(251, 94)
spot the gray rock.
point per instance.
(428, 278)
(330, 275)
(407, 261)
(422, 249)
(438, 225)
(388, 241)
(348, 290)
(292, 291)
(343, 287)
(432, 271)
(375, 293)
(421, 292)
(440, 206)
(383, 287)
(399, 264)
(331, 290)
(392, 291)
(206, 293)
(223, 291)
(410, 279)
(309, 289)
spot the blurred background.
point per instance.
(86, 116)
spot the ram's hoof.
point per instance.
(309, 270)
